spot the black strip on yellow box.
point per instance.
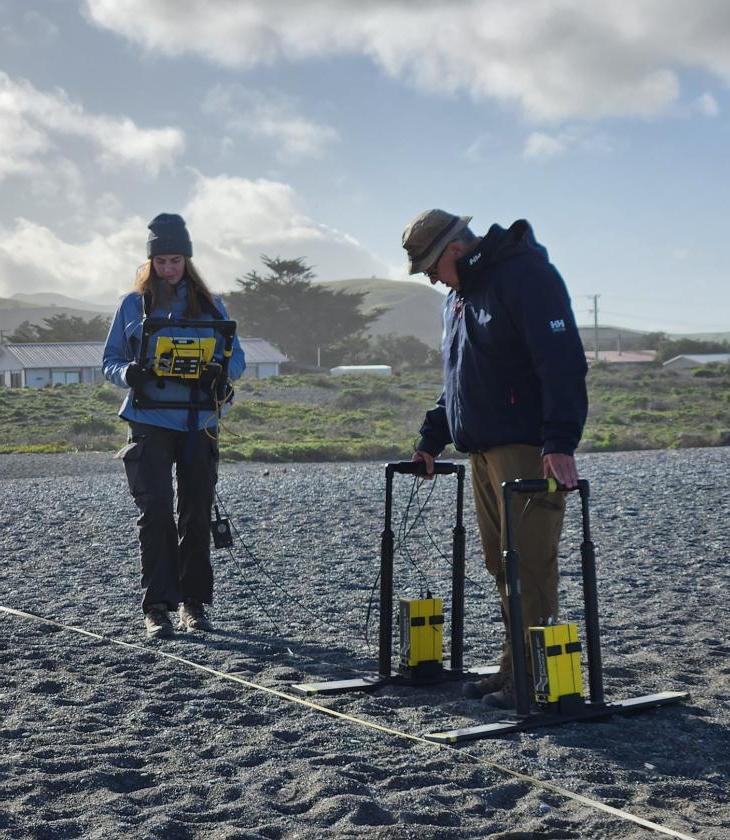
(421, 632)
(556, 668)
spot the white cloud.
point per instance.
(555, 60)
(707, 105)
(232, 222)
(32, 121)
(235, 220)
(478, 150)
(541, 145)
(269, 117)
(34, 258)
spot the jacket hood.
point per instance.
(499, 244)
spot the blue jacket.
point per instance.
(514, 364)
(123, 346)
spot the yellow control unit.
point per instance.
(421, 635)
(555, 652)
(182, 356)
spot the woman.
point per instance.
(176, 568)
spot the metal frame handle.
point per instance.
(386, 564)
(510, 560)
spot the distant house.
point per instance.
(36, 365)
(59, 363)
(693, 360)
(621, 357)
(262, 358)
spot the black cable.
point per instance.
(370, 606)
(265, 572)
(256, 598)
(404, 531)
(443, 556)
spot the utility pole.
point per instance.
(595, 325)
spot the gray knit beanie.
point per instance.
(168, 235)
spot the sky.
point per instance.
(319, 129)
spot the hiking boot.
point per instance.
(486, 685)
(502, 699)
(191, 615)
(157, 621)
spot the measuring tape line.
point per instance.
(309, 704)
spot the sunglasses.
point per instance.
(431, 271)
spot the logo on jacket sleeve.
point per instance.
(557, 326)
(483, 317)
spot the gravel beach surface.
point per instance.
(103, 740)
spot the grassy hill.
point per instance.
(56, 299)
(413, 308)
(323, 418)
(12, 303)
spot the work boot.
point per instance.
(486, 685)
(191, 615)
(502, 699)
(157, 622)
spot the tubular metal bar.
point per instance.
(386, 580)
(457, 578)
(590, 598)
(510, 566)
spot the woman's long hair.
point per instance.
(147, 280)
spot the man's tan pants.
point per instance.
(536, 524)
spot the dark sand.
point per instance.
(103, 741)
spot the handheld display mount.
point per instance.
(183, 359)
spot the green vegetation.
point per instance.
(297, 316)
(654, 408)
(62, 327)
(323, 418)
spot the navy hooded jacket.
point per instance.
(514, 364)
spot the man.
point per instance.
(514, 397)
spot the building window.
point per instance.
(65, 377)
(15, 379)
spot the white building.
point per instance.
(693, 360)
(36, 365)
(348, 370)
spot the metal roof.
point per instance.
(701, 358)
(60, 354)
(258, 351)
(78, 354)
